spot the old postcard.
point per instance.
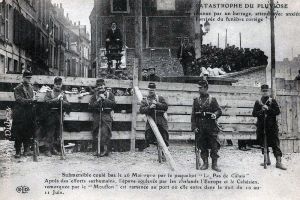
(149, 99)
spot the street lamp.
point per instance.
(207, 26)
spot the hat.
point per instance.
(100, 82)
(145, 69)
(203, 83)
(264, 87)
(152, 86)
(151, 68)
(57, 80)
(27, 74)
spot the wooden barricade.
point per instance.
(236, 102)
(288, 97)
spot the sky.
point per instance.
(254, 35)
(78, 10)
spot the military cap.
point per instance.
(264, 87)
(203, 83)
(100, 82)
(27, 74)
(145, 69)
(152, 86)
(57, 80)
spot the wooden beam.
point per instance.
(157, 133)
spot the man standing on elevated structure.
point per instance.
(205, 113)
(155, 106)
(266, 109)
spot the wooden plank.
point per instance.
(178, 101)
(279, 117)
(175, 126)
(192, 95)
(127, 117)
(187, 110)
(125, 135)
(72, 98)
(74, 81)
(194, 87)
(283, 145)
(297, 146)
(289, 114)
(135, 83)
(294, 116)
(284, 114)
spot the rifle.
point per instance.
(197, 153)
(265, 143)
(265, 138)
(99, 131)
(62, 148)
(35, 141)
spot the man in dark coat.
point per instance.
(145, 74)
(104, 101)
(53, 99)
(152, 75)
(297, 78)
(266, 109)
(155, 106)
(114, 37)
(186, 55)
(205, 113)
(23, 116)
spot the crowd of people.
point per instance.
(230, 59)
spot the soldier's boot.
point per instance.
(268, 161)
(54, 151)
(105, 152)
(214, 165)
(48, 153)
(279, 165)
(18, 154)
(27, 151)
(205, 164)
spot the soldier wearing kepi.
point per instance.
(104, 100)
(53, 99)
(205, 113)
(155, 106)
(23, 116)
(266, 109)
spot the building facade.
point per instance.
(164, 24)
(35, 34)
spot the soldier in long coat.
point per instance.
(205, 113)
(104, 100)
(266, 109)
(155, 106)
(23, 116)
(52, 100)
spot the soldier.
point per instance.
(205, 113)
(53, 99)
(266, 109)
(152, 76)
(23, 117)
(186, 55)
(155, 106)
(102, 102)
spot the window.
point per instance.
(6, 20)
(2, 64)
(119, 6)
(16, 66)
(9, 65)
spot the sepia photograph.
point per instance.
(149, 99)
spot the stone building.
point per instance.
(34, 34)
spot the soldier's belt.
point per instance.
(203, 115)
